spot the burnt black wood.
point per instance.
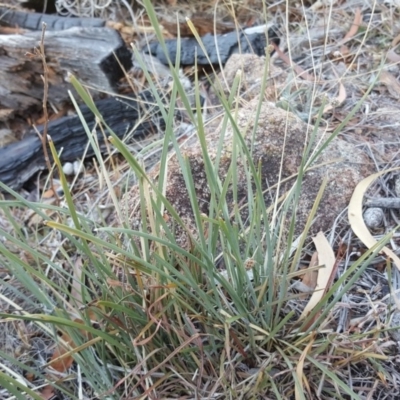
(21, 160)
(48, 6)
(33, 21)
(218, 47)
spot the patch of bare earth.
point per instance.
(280, 139)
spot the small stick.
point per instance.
(43, 137)
(383, 202)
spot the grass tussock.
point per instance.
(117, 313)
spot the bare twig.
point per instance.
(45, 77)
(384, 202)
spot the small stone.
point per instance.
(68, 169)
(373, 217)
(77, 167)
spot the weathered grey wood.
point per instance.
(34, 21)
(21, 160)
(383, 202)
(218, 48)
(88, 53)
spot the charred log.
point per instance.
(34, 21)
(218, 48)
(137, 117)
